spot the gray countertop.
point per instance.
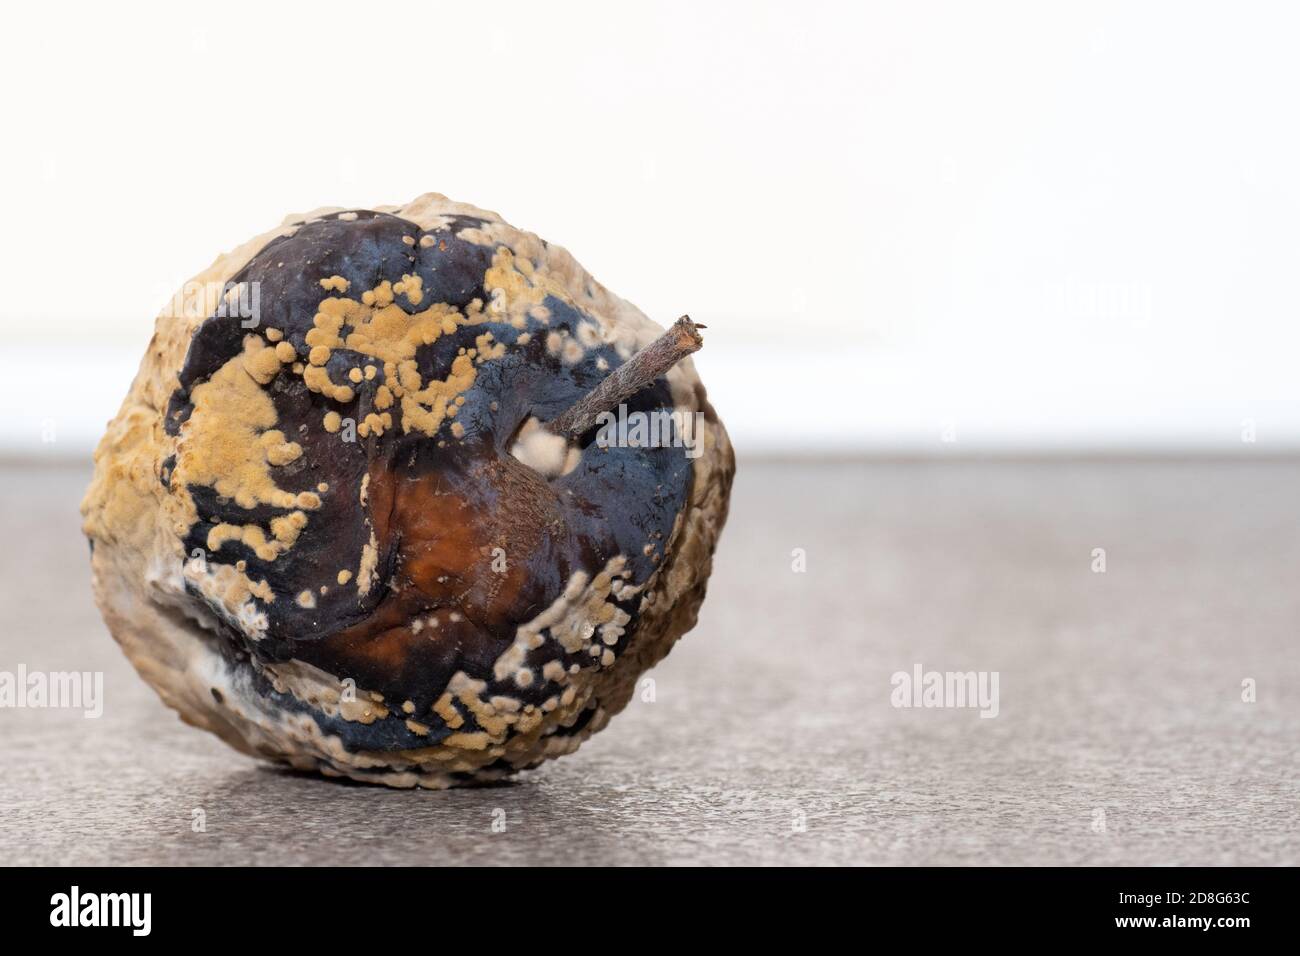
(771, 737)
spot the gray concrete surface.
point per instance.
(1119, 692)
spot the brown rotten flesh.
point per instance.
(352, 517)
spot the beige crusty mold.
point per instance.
(335, 521)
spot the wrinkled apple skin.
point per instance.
(311, 537)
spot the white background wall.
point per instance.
(1035, 226)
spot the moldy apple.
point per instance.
(342, 533)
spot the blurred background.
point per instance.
(911, 227)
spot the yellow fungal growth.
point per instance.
(369, 563)
(229, 442)
(412, 287)
(374, 424)
(284, 534)
(487, 349)
(260, 362)
(378, 328)
(278, 451)
(318, 380)
(517, 287)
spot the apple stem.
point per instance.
(636, 373)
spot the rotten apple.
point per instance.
(354, 514)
